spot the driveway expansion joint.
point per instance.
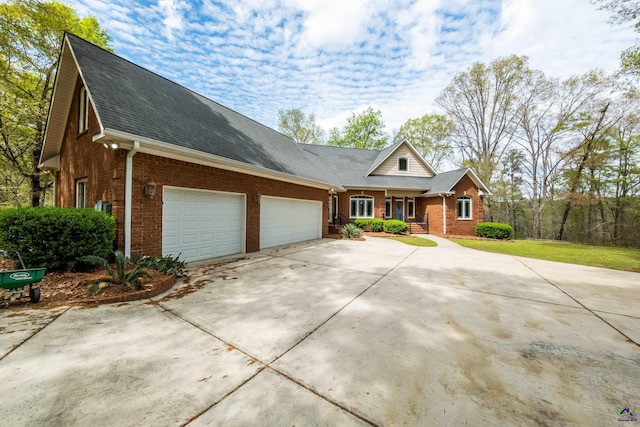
(35, 333)
(593, 312)
(263, 365)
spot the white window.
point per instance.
(403, 164)
(387, 208)
(361, 207)
(83, 118)
(411, 208)
(81, 193)
(464, 208)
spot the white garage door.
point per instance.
(202, 224)
(285, 221)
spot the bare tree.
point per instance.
(546, 109)
(482, 104)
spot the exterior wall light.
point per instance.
(150, 189)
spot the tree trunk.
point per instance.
(576, 181)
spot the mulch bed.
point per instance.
(70, 289)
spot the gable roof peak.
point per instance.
(388, 152)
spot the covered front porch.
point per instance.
(407, 206)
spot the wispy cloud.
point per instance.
(171, 9)
(332, 57)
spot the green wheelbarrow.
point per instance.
(16, 282)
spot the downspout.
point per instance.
(128, 197)
(444, 214)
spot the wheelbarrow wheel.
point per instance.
(34, 294)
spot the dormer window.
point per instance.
(83, 116)
(403, 164)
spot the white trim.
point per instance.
(83, 110)
(444, 214)
(171, 151)
(362, 197)
(52, 163)
(411, 200)
(128, 197)
(84, 83)
(406, 160)
(463, 218)
(390, 201)
(84, 182)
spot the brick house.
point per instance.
(183, 174)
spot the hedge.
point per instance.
(56, 238)
(395, 226)
(373, 224)
(494, 230)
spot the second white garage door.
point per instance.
(202, 224)
(285, 221)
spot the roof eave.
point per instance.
(60, 106)
(164, 149)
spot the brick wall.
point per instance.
(455, 226)
(103, 168)
(147, 213)
(378, 202)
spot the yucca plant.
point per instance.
(120, 275)
(351, 231)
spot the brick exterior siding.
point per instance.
(104, 170)
(455, 226)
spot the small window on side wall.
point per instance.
(83, 108)
(403, 164)
(81, 193)
(464, 208)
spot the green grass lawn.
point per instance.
(595, 256)
(415, 241)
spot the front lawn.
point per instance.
(595, 256)
(415, 241)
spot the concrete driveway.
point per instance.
(338, 333)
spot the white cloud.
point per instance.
(333, 57)
(172, 16)
(331, 24)
(562, 38)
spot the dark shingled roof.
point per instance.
(352, 165)
(131, 99)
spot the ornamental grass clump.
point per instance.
(351, 231)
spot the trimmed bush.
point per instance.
(56, 238)
(361, 223)
(494, 230)
(376, 225)
(395, 226)
(371, 224)
(351, 231)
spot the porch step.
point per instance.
(418, 228)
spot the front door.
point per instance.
(399, 210)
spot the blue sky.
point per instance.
(334, 57)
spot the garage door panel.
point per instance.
(201, 224)
(284, 221)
